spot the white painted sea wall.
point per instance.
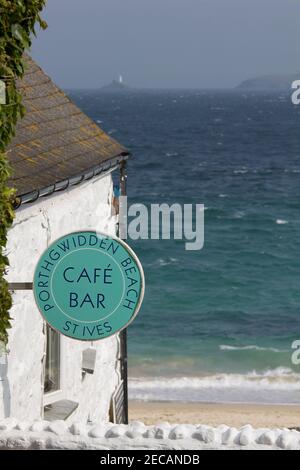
(164, 436)
(86, 206)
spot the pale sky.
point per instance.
(168, 43)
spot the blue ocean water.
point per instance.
(218, 324)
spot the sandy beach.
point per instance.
(271, 416)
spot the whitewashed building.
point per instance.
(62, 171)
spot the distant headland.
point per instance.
(269, 83)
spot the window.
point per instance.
(52, 367)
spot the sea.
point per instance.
(216, 325)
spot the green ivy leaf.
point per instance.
(19, 33)
(17, 21)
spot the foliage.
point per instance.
(17, 24)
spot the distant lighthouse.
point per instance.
(117, 85)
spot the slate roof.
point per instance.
(55, 142)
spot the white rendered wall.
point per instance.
(87, 206)
(164, 436)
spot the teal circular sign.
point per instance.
(88, 285)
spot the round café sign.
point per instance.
(88, 285)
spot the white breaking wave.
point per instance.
(271, 379)
(281, 222)
(253, 347)
(281, 385)
(164, 262)
(239, 214)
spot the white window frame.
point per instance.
(51, 397)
